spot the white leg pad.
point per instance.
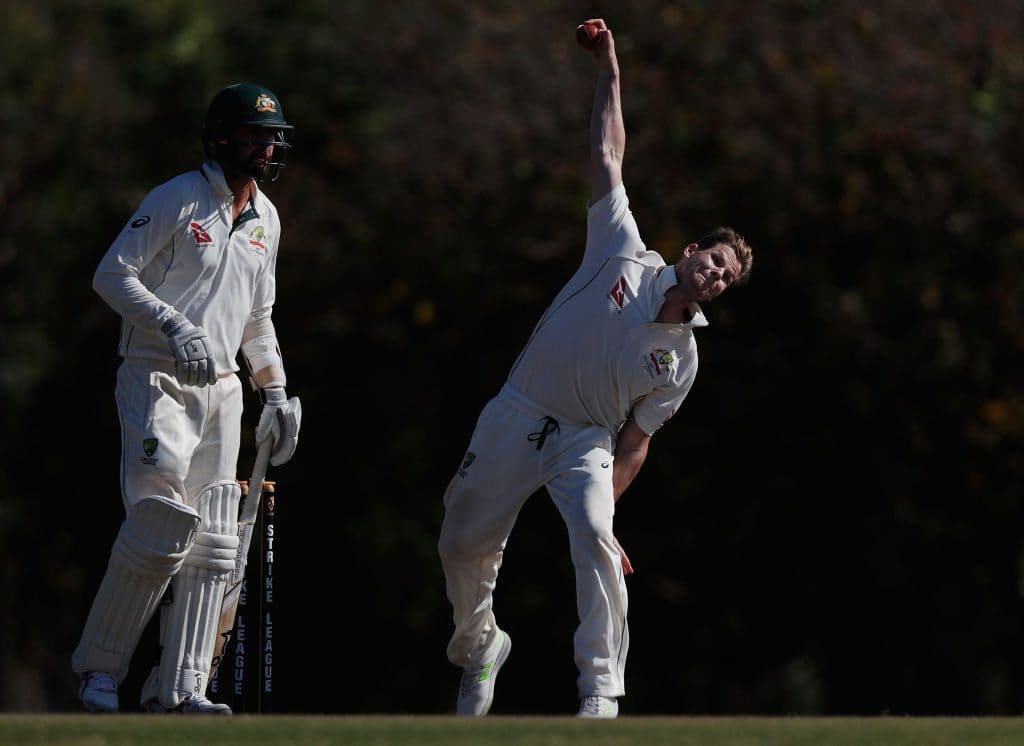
(189, 624)
(154, 540)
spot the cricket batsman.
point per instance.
(192, 275)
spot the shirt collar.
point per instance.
(213, 173)
(697, 317)
(666, 278)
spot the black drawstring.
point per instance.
(550, 426)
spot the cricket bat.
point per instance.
(246, 523)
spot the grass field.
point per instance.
(288, 730)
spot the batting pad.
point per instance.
(189, 623)
(150, 548)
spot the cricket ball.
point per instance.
(586, 35)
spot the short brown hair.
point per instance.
(736, 242)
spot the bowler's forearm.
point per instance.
(607, 130)
(626, 466)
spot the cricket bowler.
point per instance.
(607, 365)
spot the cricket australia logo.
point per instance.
(149, 446)
(470, 458)
(658, 362)
(257, 237)
(265, 103)
(200, 235)
(618, 294)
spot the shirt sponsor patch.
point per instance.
(618, 293)
(200, 235)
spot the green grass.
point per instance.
(289, 730)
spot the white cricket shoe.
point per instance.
(98, 691)
(598, 707)
(476, 690)
(191, 705)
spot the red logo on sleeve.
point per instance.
(200, 235)
(618, 293)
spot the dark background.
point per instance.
(832, 522)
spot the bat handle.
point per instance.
(259, 474)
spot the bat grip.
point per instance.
(259, 474)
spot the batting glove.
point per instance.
(280, 419)
(193, 358)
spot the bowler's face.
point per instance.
(707, 273)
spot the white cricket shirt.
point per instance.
(596, 354)
(180, 251)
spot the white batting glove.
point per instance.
(280, 419)
(193, 358)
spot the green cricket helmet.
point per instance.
(245, 105)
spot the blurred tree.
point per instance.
(861, 554)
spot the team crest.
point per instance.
(659, 362)
(257, 237)
(149, 446)
(470, 458)
(265, 103)
(200, 235)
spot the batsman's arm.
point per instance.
(607, 129)
(281, 416)
(262, 351)
(147, 232)
(117, 280)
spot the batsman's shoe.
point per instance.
(98, 691)
(598, 707)
(476, 690)
(191, 705)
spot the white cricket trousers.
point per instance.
(176, 440)
(515, 449)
